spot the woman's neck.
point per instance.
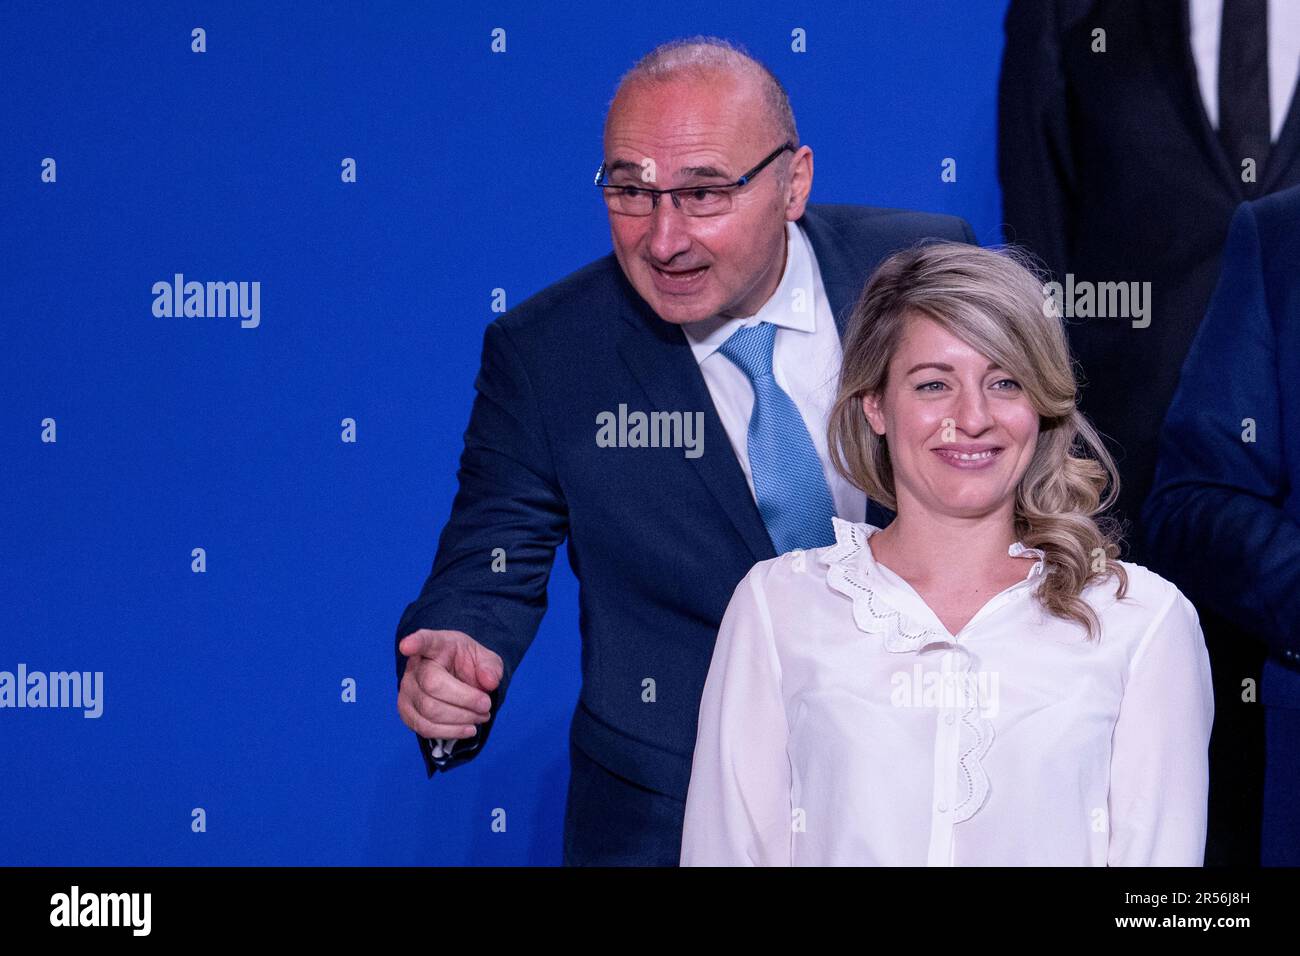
(920, 545)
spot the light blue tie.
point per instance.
(788, 479)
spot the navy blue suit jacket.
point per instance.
(1223, 520)
(657, 540)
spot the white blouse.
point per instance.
(841, 724)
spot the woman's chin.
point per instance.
(967, 502)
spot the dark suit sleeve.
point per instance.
(1214, 525)
(508, 498)
(1034, 153)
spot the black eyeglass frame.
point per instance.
(656, 193)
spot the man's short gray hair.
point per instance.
(700, 55)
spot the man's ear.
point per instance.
(800, 183)
(875, 417)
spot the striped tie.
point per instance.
(791, 489)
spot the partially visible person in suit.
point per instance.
(1120, 156)
(983, 682)
(1129, 131)
(1224, 515)
(719, 314)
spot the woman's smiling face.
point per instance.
(960, 431)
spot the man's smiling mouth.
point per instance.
(677, 281)
(680, 273)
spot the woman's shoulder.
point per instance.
(803, 566)
(849, 540)
(1148, 596)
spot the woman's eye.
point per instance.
(1009, 382)
(926, 387)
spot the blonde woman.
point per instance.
(982, 682)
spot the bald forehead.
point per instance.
(743, 79)
(714, 107)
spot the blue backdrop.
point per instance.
(224, 690)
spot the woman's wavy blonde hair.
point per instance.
(995, 301)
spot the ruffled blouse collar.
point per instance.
(884, 603)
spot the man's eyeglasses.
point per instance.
(704, 200)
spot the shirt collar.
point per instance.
(885, 603)
(898, 592)
(1016, 550)
(707, 335)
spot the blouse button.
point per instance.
(942, 808)
(947, 719)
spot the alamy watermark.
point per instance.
(75, 908)
(636, 429)
(83, 690)
(948, 690)
(181, 299)
(1099, 300)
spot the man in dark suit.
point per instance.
(1112, 171)
(1224, 515)
(725, 296)
(1129, 131)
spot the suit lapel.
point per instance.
(1169, 36)
(1281, 154)
(660, 359)
(844, 266)
(840, 262)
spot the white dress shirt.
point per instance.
(841, 724)
(1206, 18)
(805, 363)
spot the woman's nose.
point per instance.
(972, 413)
